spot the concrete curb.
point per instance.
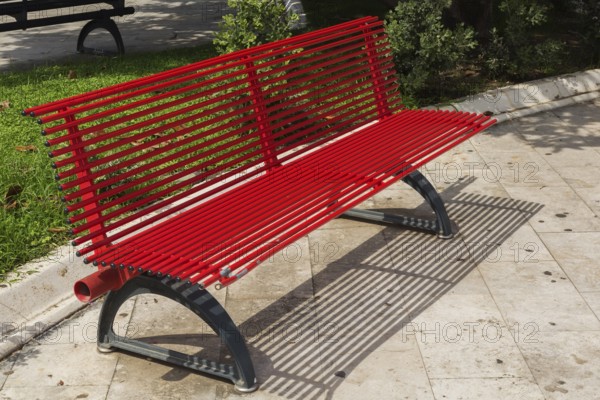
(39, 296)
(528, 98)
(44, 297)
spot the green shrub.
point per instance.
(496, 56)
(513, 49)
(254, 22)
(422, 46)
(588, 27)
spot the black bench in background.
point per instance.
(24, 14)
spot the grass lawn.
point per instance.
(31, 222)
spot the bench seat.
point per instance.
(228, 235)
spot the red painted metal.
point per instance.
(95, 285)
(274, 48)
(203, 171)
(94, 218)
(260, 112)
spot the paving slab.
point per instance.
(365, 244)
(522, 246)
(82, 328)
(51, 365)
(164, 322)
(464, 336)
(471, 284)
(539, 297)
(593, 300)
(591, 197)
(283, 270)
(136, 378)
(464, 153)
(503, 138)
(588, 113)
(488, 388)
(520, 168)
(563, 211)
(393, 380)
(579, 178)
(560, 143)
(577, 254)
(481, 178)
(565, 365)
(284, 340)
(82, 392)
(6, 369)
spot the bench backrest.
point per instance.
(125, 152)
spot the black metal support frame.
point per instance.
(440, 226)
(203, 304)
(102, 23)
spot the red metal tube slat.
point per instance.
(148, 145)
(156, 173)
(299, 234)
(122, 87)
(281, 97)
(160, 234)
(162, 193)
(130, 207)
(156, 131)
(116, 167)
(150, 209)
(142, 102)
(225, 84)
(280, 46)
(129, 128)
(303, 184)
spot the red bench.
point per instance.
(196, 175)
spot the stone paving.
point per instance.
(508, 309)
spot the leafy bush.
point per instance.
(513, 50)
(496, 55)
(588, 26)
(255, 22)
(422, 46)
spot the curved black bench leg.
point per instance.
(100, 23)
(441, 226)
(417, 181)
(203, 304)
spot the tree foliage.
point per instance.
(254, 22)
(422, 45)
(512, 49)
